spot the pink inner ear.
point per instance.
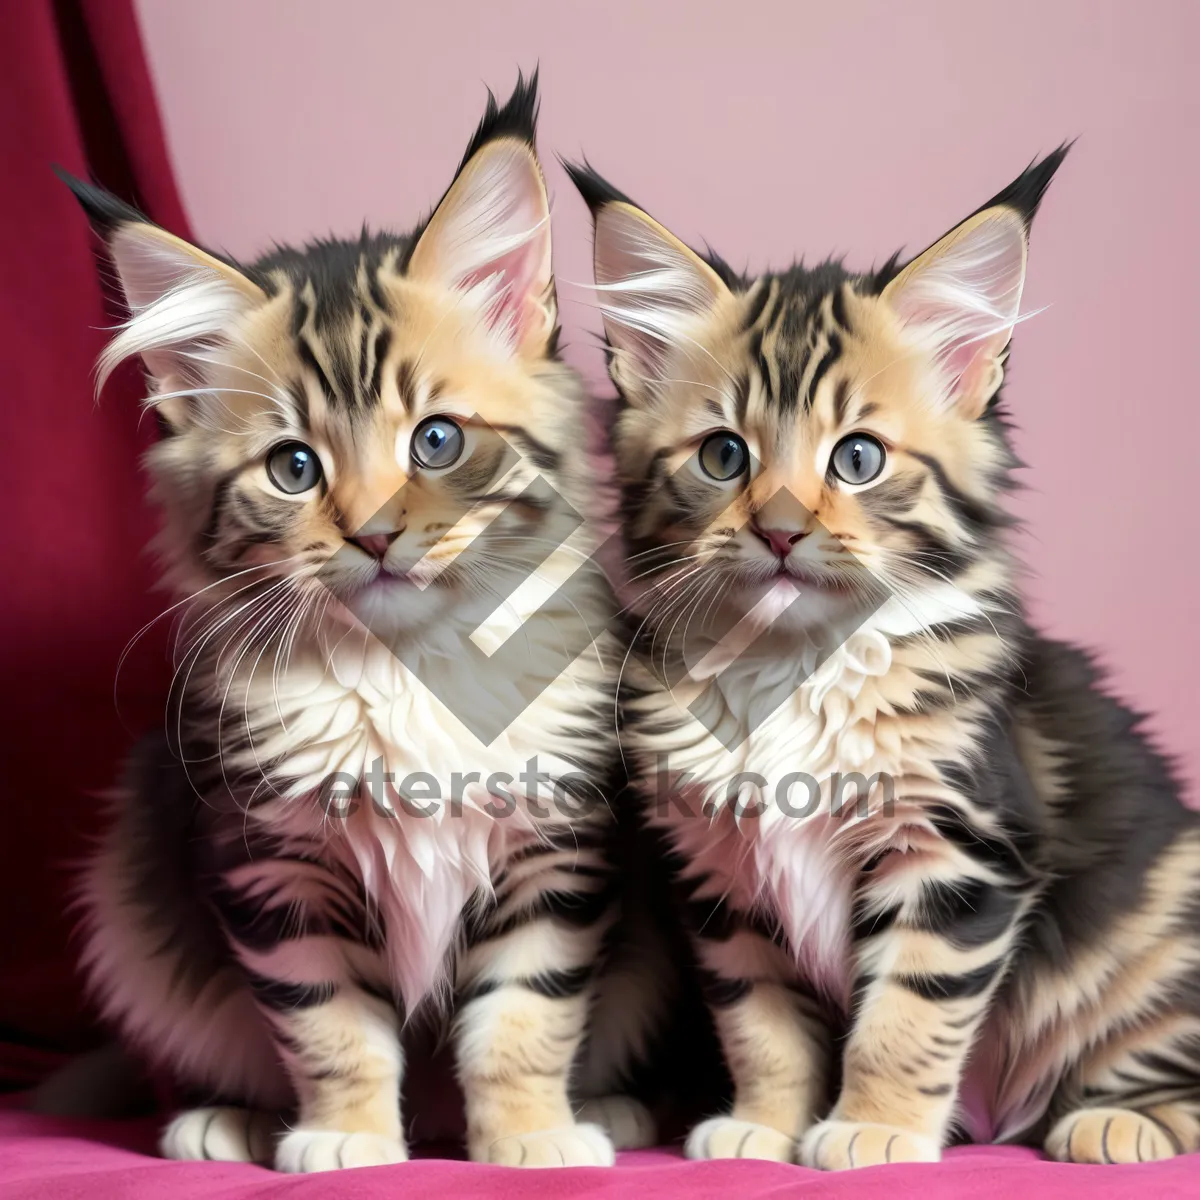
(968, 296)
(516, 279)
(491, 235)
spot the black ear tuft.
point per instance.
(105, 211)
(516, 119)
(1025, 192)
(595, 189)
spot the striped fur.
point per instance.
(254, 927)
(998, 937)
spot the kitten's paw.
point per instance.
(841, 1145)
(727, 1137)
(626, 1121)
(221, 1135)
(303, 1150)
(572, 1146)
(1111, 1135)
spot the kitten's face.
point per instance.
(812, 441)
(348, 418)
(366, 448)
(831, 496)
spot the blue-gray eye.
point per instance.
(437, 443)
(724, 456)
(858, 458)
(294, 467)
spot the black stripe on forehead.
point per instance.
(791, 322)
(336, 284)
(309, 358)
(830, 355)
(303, 320)
(837, 309)
(406, 384)
(742, 398)
(383, 342)
(806, 334)
(841, 400)
(332, 266)
(365, 343)
(790, 369)
(331, 352)
(341, 352)
(758, 304)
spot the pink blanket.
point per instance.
(50, 1159)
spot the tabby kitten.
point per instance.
(998, 936)
(371, 453)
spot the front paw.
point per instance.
(303, 1150)
(221, 1134)
(571, 1146)
(727, 1137)
(842, 1145)
(1110, 1135)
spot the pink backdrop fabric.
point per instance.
(42, 1159)
(797, 127)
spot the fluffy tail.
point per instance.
(155, 958)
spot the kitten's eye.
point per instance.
(724, 456)
(437, 443)
(858, 458)
(294, 467)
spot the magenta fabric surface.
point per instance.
(50, 1159)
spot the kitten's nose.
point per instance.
(375, 544)
(780, 541)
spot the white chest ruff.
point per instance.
(779, 804)
(438, 810)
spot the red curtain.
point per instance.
(76, 584)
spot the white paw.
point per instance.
(221, 1134)
(843, 1145)
(727, 1137)
(626, 1121)
(304, 1150)
(572, 1146)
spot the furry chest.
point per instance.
(765, 804)
(378, 773)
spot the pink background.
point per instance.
(789, 128)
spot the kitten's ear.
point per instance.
(654, 291)
(181, 299)
(490, 234)
(961, 297)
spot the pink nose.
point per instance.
(374, 544)
(781, 541)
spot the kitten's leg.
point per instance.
(933, 940)
(1135, 1098)
(774, 1039)
(525, 986)
(342, 1049)
(621, 1020)
(339, 1043)
(637, 980)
